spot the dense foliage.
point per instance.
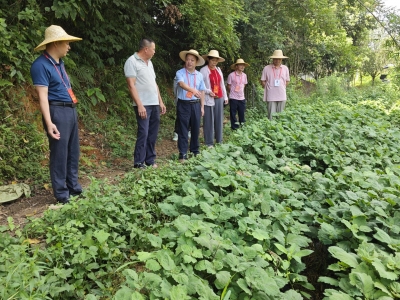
(320, 37)
(244, 220)
(22, 144)
(239, 222)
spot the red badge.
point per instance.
(216, 89)
(189, 95)
(237, 88)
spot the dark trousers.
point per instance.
(238, 106)
(176, 128)
(189, 116)
(64, 153)
(176, 123)
(145, 148)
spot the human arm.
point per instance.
(224, 94)
(135, 97)
(162, 106)
(43, 92)
(264, 77)
(202, 95)
(287, 79)
(206, 76)
(186, 87)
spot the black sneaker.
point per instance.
(139, 166)
(75, 193)
(183, 156)
(63, 201)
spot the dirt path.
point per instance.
(22, 209)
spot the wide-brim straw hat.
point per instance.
(214, 53)
(239, 61)
(278, 54)
(200, 60)
(55, 33)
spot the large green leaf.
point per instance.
(178, 292)
(383, 271)
(101, 235)
(364, 282)
(348, 258)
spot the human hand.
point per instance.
(196, 93)
(142, 112)
(163, 108)
(226, 101)
(212, 94)
(53, 131)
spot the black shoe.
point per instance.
(75, 193)
(183, 156)
(63, 201)
(139, 166)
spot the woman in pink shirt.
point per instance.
(274, 79)
(237, 80)
(215, 97)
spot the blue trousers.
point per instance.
(145, 148)
(64, 153)
(238, 106)
(189, 116)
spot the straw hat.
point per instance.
(200, 60)
(238, 62)
(278, 54)
(55, 33)
(214, 53)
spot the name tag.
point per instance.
(277, 82)
(189, 95)
(237, 88)
(216, 89)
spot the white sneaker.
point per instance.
(175, 138)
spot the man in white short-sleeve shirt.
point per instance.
(147, 101)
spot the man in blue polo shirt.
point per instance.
(147, 101)
(190, 105)
(58, 107)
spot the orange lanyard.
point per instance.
(62, 79)
(280, 73)
(240, 76)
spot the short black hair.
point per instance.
(145, 43)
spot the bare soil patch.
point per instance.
(96, 161)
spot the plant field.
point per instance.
(242, 221)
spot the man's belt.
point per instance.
(62, 103)
(189, 101)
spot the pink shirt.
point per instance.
(269, 75)
(236, 80)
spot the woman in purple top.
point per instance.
(274, 79)
(215, 97)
